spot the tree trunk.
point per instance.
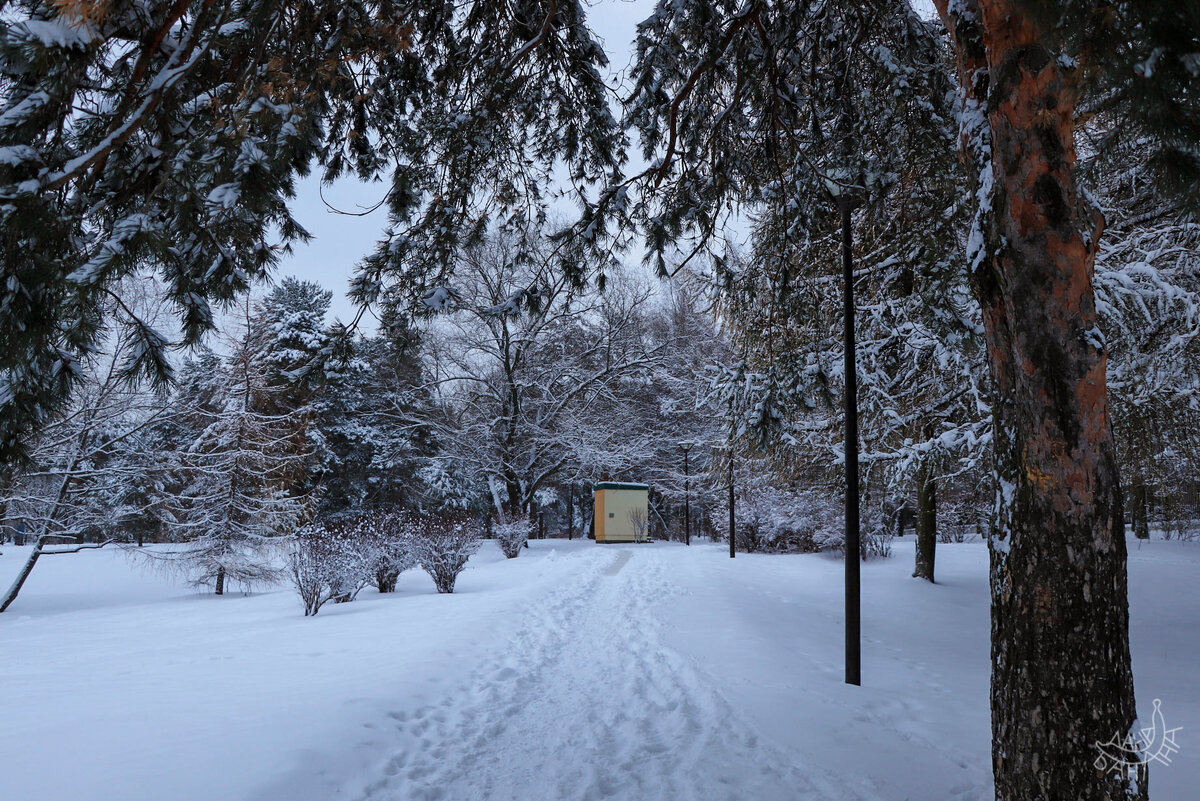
(19, 582)
(570, 512)
(1141, 511)
(220, 581)
(926, 523)
(385, 579)
(1061, 677)
(34, 554)
(1119, 511)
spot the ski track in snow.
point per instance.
(588, 704)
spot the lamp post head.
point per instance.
(845, 187)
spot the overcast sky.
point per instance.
(340, 241)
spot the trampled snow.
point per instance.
(577, 671)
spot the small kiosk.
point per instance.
(622, 512)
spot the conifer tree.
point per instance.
(238, 467)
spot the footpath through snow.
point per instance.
(576, 672)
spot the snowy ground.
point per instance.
(577, 671)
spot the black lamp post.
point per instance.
(687, 495)
(847, 198)
(732, 552)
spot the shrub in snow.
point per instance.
(511, 536)
(778, 520)
(327, 565)
(386, 542)
(875, 534)
(443, 545)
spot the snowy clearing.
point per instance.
(577, 671)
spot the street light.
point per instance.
(844, 187)
(687, 495)
(732, 551)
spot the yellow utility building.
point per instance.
(622, 512)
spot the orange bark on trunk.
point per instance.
(1061, 677)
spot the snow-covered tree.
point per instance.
(92, 474)
(239, 463)
(1148, 304)
(529, 372)
(167, 136)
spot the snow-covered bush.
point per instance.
(335, 562)
(511, 536)
(326, 565)
(387, 538)
(781, 520)
(875, 531)
(877, 534)
(443, 545)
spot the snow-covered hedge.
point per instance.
(779, 520)
(387, 538)
(511, 536)
(325, 565)
(443, 545)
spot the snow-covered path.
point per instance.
(587, 703)
(576, 672)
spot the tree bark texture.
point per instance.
(1061, 676)
(926, 548)
(220, 581)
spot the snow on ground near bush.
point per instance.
(577, 671)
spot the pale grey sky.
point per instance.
(341, 241)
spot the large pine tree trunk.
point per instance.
(1061, 677)
(220, 581)
(926, 523)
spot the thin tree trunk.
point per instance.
(19, 582)
(34, 554)
(1061, 677)
(1119, 511)
(570, 512)
(926, 523)
(220, 581)
(1141, 511)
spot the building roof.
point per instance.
(621, 485)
